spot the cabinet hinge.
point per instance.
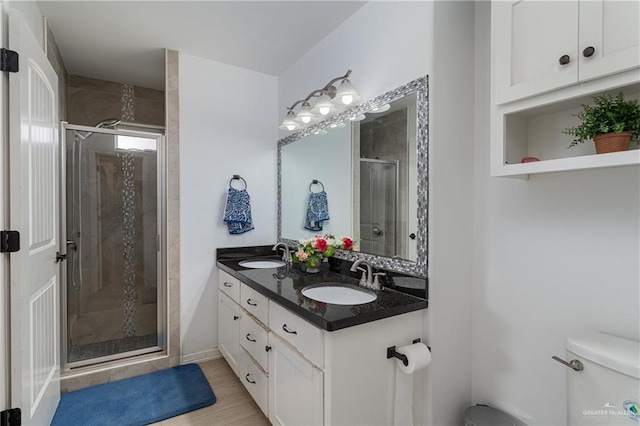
(9, 60)
(9, 241)
(11, 417)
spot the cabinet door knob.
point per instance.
(267, 348)
(251, 302)
(236, 318)
(249, 380)
(412, 236)
(226, 284)
(588, 51)
(565, 59)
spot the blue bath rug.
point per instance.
(138, 400)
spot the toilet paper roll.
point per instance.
(419, 357)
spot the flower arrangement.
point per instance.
(313, 250)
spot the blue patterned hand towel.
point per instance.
(317, 211)
(237, 211)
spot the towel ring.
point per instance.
(316, 182)
(238, 177)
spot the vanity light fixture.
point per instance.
(289, 123)
(347, 94)
(330, 101)
(305, 115)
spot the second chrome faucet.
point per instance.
(367, 279)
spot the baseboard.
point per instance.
(202, 356)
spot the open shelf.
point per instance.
(531, 129)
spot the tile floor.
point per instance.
(234, 405)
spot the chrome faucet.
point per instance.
(367, 275)
(286, 255)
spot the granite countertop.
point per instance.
(284, 286)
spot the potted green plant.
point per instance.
(611, 122)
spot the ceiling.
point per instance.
(124, 41)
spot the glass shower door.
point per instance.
(113, 291)
(378, 206)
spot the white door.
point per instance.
(33, 211)
(611, 29)
(530, 37)
(296, 388)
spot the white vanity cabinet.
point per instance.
(229, 319)
(543, 46)
(296, 386)
(300, 374)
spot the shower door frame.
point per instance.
(161, 241)
(396, 164)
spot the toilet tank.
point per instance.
(607, 391)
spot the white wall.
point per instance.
(555, 255)
(327, 158)
(383, 43)
(228, 125)
(387, 44)
(448, 319)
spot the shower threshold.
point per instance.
(94, 353)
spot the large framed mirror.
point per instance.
(369, 164)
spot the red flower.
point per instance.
(348, 243)
(321, 244)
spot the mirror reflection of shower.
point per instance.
(386, 139)
(113, 293)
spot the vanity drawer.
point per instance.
(229, 285)
(254, 339)
(254, 303)
(255, 380)
(306, 337)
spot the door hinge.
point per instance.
(9, 241)
(11, 417)
(9, 60)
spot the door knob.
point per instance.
(60, 257)
(564, 59)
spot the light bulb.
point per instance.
(291, 127)
(347, 99)
(305, 115)
(323, 105)
(347, 94)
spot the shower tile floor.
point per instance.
(111, 347)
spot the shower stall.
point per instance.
(379, 180)
(113, 303)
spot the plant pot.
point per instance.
(612, 142)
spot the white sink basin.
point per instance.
(261, 264)
(339, 294)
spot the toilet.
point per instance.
(607, 390)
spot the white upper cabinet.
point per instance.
(540, 46)
(612, 29)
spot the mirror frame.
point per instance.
(420, 87)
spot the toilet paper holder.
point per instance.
(391, 353)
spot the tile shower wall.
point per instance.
(90, 101)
